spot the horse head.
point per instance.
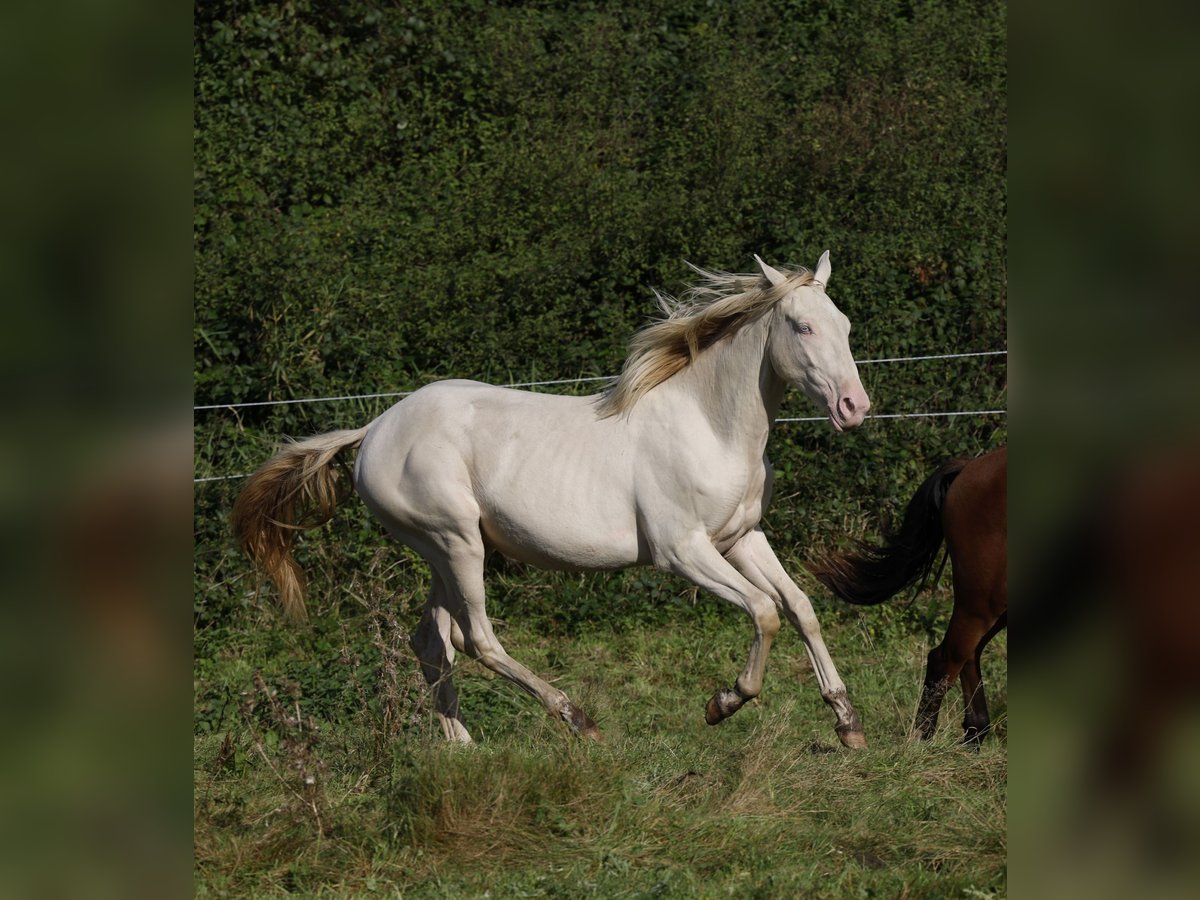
(809, 346)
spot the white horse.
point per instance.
(665, 468)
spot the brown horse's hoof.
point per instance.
(851, 738)
(723, 704)
(973, 737)
(580, 722)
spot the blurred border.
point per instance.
(95, 264)
(1105, 378)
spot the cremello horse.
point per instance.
(665, 468)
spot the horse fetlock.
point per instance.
(839, 702)
(974, 731)
(723, 704)
(454, 730)
(579, 721)
(849, 726)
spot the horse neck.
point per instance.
(736, 386)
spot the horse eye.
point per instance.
(804, 328)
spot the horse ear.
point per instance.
(774, 276)
(822, 273)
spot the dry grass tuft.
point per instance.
(286, 740)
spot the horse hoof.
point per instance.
(712, 712)
(580, 722)
(973, 738)
(851, 739)
(723, 704)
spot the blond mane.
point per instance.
(715, 307)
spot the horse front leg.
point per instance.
(755, 559)
(699, 562)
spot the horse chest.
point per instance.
(740, 513)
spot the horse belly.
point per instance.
(561, 537)
(560, 506)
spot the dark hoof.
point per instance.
(724, 703)
(580, 722)
(973, 737)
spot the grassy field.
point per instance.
(319, 769)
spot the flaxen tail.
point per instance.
(872, 574)
(297, 488)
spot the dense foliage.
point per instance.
(387, 194)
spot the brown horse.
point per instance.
(965, 503)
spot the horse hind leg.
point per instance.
(976, 721)
(944, 665)
(463, 576)
(937, 683)
(433, 644)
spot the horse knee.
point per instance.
(800, 614)
(486, 649)
(766, 617)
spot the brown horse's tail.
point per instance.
(297, 488)
(872, 574)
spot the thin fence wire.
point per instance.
(525, 384)
(917, 415)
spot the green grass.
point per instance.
(766, 804)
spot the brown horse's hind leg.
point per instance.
(937, 682)
(976, 721)
(946, 661)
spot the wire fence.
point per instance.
(526, 384)
(589, 379)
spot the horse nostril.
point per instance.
(847, 406)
